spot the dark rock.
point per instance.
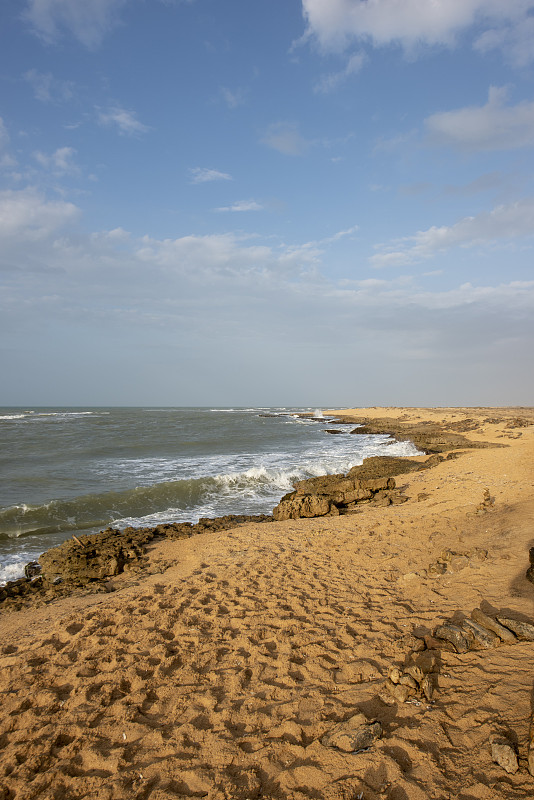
(523, 630)
(32, 569)
(454, 635)
(332, 431)
(492, 625)
(481, 635)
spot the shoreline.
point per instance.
(227, 664)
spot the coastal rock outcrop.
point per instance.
(426, 436)
(331, 495)
(95, 557)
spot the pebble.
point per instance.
(504, 754)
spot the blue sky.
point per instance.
(317, 202)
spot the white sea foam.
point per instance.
(12, 566)
(35, 416)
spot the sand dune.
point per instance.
(218, 674)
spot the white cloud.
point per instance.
(126, 121)
(48, 89)
(61, 162)
(242, 205)
(411, 23)
(206, 175)
(494, 126)
(285, 137)
(515, 41)
(233, 98)
(511, 221)
(212, 307)
(27, 213)
(330, 82)
(87, 20)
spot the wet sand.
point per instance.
(218, 674)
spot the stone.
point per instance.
(523, 630)
(504, 634)
(427, 687)
(454, 635)
(295, 507)
(482, 637)
(407, 680)
(427, 661)
(395, 675)
(415, 672)
(353, 735)
(398, 691)
(32, 569)
(503, 754)
(439, 644)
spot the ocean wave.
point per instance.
(35, 416)
(172, 499)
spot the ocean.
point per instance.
(69, 470)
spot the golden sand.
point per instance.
(219, 674)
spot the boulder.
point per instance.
(295, 506)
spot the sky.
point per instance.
(266, 202)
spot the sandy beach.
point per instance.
(220, 670)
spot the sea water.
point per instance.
(69, 470)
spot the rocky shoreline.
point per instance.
(85, 564)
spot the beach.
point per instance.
(220, 669)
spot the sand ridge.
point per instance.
(218, 674)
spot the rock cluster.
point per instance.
(452, 561)
(97, 556)
(429, 437)
(331, 495)
(416, 678)
(481, 632)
